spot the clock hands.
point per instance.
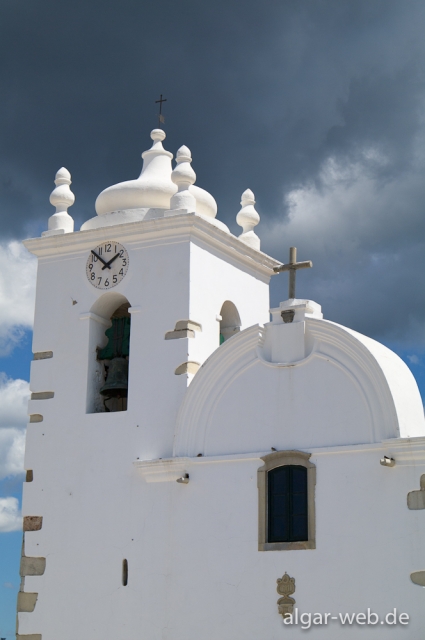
(101, 259)
(108, 264)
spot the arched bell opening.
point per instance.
(115, 356)
(109, 354)
(230, 322)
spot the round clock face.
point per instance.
(107, 265)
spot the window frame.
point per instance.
(272, 461)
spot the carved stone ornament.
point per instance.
(285, 587)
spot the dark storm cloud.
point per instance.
(265, 94)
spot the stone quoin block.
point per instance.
(33, 523)
(36, 417)
(26, 601)
(43, 355)
(42, 395)
(31, 566)
(416, 499)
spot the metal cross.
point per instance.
(292, 268)
(161, 118)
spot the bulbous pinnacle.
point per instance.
(248, 218)
(61, 198)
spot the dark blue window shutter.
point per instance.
(287, 504)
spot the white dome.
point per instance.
(151, 194)
(152, 189)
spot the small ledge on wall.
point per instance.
(42, 355)
(183, 329)
(187, 367)
(36, 417)
(418, 577)
(42, 395)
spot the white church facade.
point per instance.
(196, 470)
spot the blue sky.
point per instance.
(14, 366)
(317, 106)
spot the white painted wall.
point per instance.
(194, 568)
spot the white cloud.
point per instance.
(365, 234)
(17, 293)
(12, 449)
(413, 359)
(10, 516)
(350, 208)
(14, 395)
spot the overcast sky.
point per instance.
(315, 105)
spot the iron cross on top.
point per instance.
(161, 118)
(292, 268)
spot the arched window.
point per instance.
(109, 353)
(230, 322)
(115, 356)
(286, 486)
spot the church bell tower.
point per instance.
(127, 311)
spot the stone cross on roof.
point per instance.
(292, 268)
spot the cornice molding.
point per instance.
(158, 231)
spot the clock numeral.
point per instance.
(95, 258)
(114, 279)
(100, 279)
(100, 251)
(124, 262)
(108, 248)
(93, 276)
(122, 253)
(121, 272)
(106, 283)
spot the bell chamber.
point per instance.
(115, 357)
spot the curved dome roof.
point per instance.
(153, 188)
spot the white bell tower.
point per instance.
(159, 255)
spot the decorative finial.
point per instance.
(161, 118)
(61, 198)
(248, 218)
(183, 176)
(158, 135)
